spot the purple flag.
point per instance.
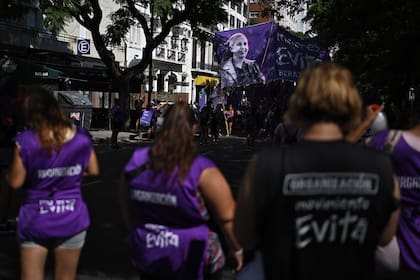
(263, 52)
(202, 101)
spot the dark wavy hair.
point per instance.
(175, 147)
(44, 115)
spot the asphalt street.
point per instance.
(106, 254)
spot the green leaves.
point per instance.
(121, 21)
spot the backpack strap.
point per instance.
(391, 140)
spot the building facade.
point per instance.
(182, 64)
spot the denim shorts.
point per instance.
(73, 242)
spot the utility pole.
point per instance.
(149, 95)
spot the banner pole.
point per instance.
(268, 43)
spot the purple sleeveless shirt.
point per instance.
(406, 165)
(170, 236)
(53, 205)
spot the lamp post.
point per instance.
(149, 95)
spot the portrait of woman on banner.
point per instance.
(235, 69)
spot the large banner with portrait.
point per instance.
(264, 52)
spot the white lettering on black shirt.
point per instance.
(331, 184)
(341, 228)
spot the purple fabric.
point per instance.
(279, 54)
(170, 236)
(202, 99)
(406, 164)
(146, 118)
(53, 204)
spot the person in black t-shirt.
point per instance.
(317, 209)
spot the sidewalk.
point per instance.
(104, 136)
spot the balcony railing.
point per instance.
(170, 55)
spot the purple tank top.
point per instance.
(406, 165)
(53, 205)
(170, 236)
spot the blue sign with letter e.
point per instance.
(83, 46)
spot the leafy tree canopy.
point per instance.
(374, 38)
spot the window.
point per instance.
(238, 23)
(232, 21)
(254, 14)
(203, 55)
(245, 10)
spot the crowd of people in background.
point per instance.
(319, 203)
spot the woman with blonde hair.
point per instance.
(318, 208)
(49, 161)
(169, 196)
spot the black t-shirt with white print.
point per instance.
(321, 208)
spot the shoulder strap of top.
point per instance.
(391, 140)
(137, 171)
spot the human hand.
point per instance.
(238, 258)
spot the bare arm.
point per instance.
(17, 173)
(391, 227)
(245, 211)
(218, 196)
(93, 166)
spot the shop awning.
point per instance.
(201, 80)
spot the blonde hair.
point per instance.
(231, 41)
(325, 93)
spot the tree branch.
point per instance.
(141, 19)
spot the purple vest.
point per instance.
(53, 205)
(406, 165)
(169, 239)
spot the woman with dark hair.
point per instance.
(169, 196)
(49, 161)
(318, 208)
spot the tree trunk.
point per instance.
(124, 94)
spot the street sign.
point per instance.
(83, 46)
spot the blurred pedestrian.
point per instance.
(170, 197)
(230, 116)
(404, 149)
(117, 122)
(138, 107)
(204, 120)
(317, 209)
(216, 120)
(49, 161)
